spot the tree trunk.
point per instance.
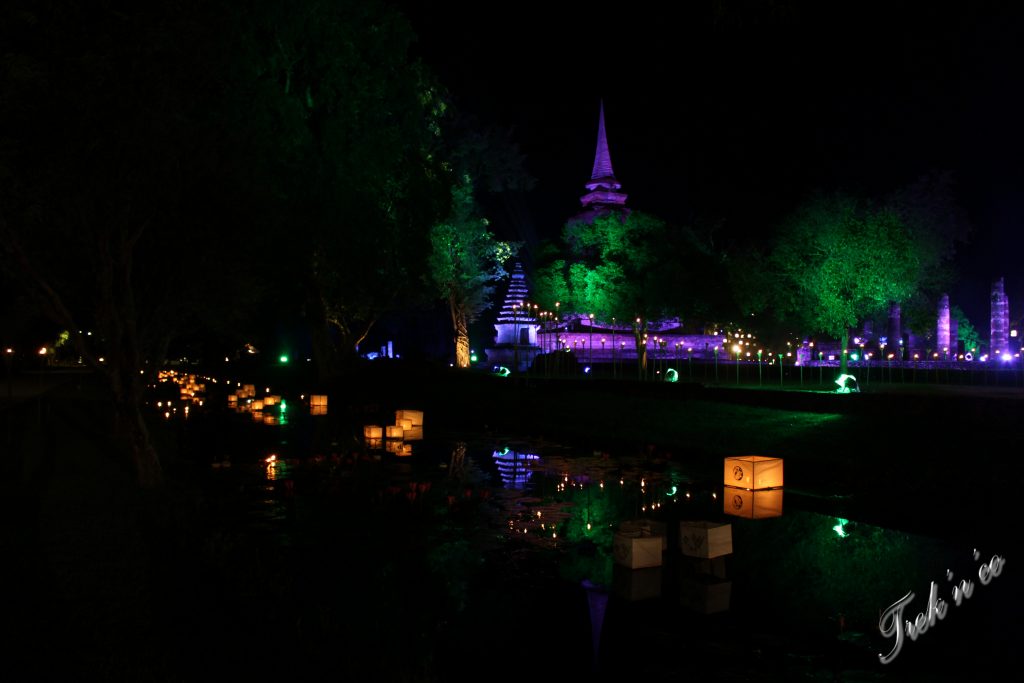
(130, 429)
(640, 332)
(461, 327)
(325, 355)
(843, 351)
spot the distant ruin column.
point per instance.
(895, 331)
(942, 331)
(999, 337)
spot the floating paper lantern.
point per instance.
(374, 444)
(404, 422)
(705, 539)
(645, 527)
(270, 400)
(373, 432)
(257, 405)
(318, 410)
(249, 390)
(232, 401)
(415, 415)
(752, 504)
(634, 551)
(395, 432)
(414, 434)
(404, 449)
(393, 446)
(318, 400)
(753, 472)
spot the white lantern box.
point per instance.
(752, 504)
(645, 527)
(636, 584)
(414, 434)
(415, 416)
(404, 422)
(705, 594)
(318, 410)
(318, 400)
(271, 400)
(753, 472)
(705, 539)
(257, 405)
(373, 432)
(232, 400)
(394, 432)
(634, 551)
(249, 390)
(404, 449)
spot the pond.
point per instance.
(466, 555)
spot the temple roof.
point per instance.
(602, 158)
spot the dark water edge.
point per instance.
(341, 576)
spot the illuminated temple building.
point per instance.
(522, 334)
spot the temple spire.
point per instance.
(602, 158)
(602, 188)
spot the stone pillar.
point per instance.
(942, 331)
(954, 338)
(999, 330)
(895, 331)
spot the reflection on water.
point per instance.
(514, 467)
(810, 574)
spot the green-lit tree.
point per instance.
(345, 125)
(465, 262)
(837, 261)
(613, 267)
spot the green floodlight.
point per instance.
(472, 358)
(838, 528)
(502, 371)
(671, 375)
(283, 358)
(847, 384)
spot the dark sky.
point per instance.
(732, 112)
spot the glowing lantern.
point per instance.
(374, 443)
(318, 400)
(393, 446)
(318, 410)
(232, 401)
(752, 504)
(636, 584)
(705, 594)
(404, 449)
(645, 527)
(753, 472)
(270, 419)
(414, 416)
(257, 405)
(271, 400)
(249, 390)
(414, 434)
(635, 551)
(705, 539)
(373, 432)
(395, 432)
(404, 422)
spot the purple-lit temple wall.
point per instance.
(942, 343)
(999, 337)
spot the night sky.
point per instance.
(730, 114)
